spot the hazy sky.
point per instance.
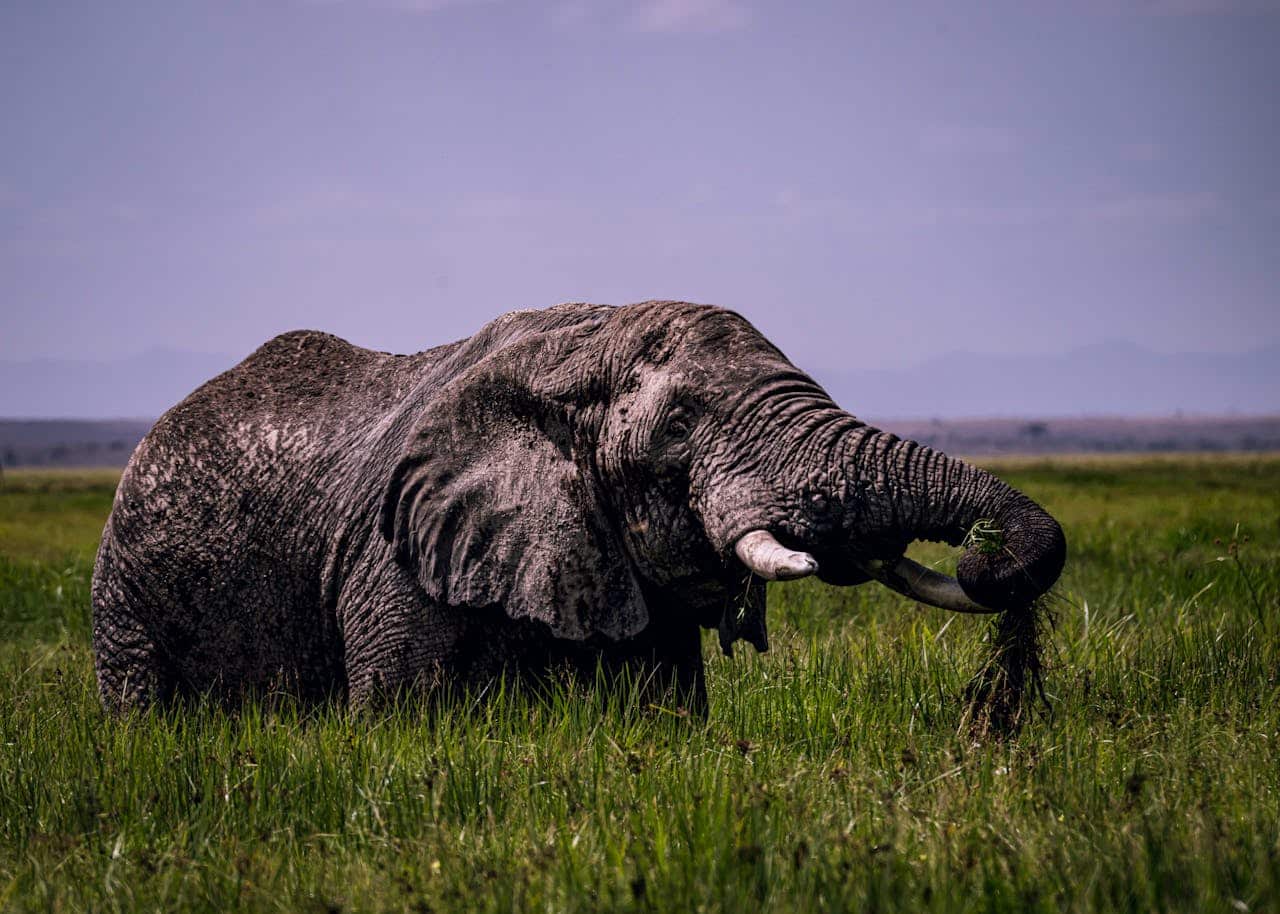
(868, 182)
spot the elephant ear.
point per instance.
(488, 507)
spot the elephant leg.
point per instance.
(131, 670)
(684, 667)
(394, 642)
(666, 661)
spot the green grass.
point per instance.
(833, 773)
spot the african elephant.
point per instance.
(573, 486)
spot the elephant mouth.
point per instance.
(767, 558)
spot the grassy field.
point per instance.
(832, 775)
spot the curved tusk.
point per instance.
(769, 559)
(911, 579)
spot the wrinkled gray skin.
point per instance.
(563, 489)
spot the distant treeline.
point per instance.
(69, 442)
(85, 443)
(1092, 435)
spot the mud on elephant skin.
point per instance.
(578, 485)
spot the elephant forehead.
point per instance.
(725, 334)
(664, 331)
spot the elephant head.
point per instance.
(594, 468)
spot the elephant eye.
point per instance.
(678, 428)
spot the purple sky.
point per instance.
(871, 183)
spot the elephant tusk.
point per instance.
(913, 580)
(769, 559)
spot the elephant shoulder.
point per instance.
(303, 352)
(284, 399)
(301, 373)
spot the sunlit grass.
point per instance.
(835, 772)
(54, 515)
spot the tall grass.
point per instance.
(833, 774)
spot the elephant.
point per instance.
(577, 487)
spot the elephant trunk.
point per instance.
(919, 493)
(1022, 559)
(879, 493)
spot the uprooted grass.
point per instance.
(834, 773)
(1010, 685)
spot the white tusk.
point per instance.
(769, 559)
(913, 580)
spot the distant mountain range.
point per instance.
(1106, 379)
(1117, 379)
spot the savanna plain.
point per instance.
(833, 773)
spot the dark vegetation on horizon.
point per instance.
(108, 443)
